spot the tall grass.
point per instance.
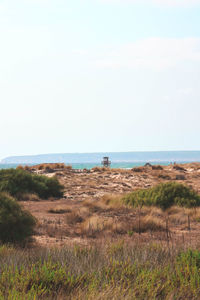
(112, 271)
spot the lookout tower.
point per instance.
(106, 162)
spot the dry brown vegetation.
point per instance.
(92, 207)
(73, 218)
(29, 197)
(133, 269)
(59, 209)
(99, 248)
(64, 224)
(100, 169)
(46, 167)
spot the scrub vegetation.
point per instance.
(109, 271)
(16, 224)
(164, 196)
(17, 182)
(119, 246)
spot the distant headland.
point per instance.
(70, 158)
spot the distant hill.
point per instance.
(68, 158)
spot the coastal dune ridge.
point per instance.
(104, 226)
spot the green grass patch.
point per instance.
(164, 196)
(108, 272)
(18, 181)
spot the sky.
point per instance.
(99, 75)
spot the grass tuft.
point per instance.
(73, 218)
(60, 209)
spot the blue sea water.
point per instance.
(8, 166)
(124, 160)
(81, 166)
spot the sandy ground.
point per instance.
(89, 186)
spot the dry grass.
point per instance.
(68, 168)
(59, 209)
(194, 214)
(29, 197)
(107, 217)
(138, 169)
(146, 219)
(174, 210)
(161, 174)
(114, 293)
(120, 171)
(100, 169)
(179, 219)
(51, 228)
(148, 223)
(46, 166)
(20, 167)
(92, 183)
(178, 168)
(152, 211)
(96, 225)
(157, 167)
(94, 207)
(73, 218)
(113, 201)
(179, 215)
(107, 271)
(84, 212)
(93, 222)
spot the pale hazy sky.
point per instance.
(99, 75)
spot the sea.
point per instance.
(124, 160)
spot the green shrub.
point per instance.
(164, 195)
(17, 182)
(16, 224)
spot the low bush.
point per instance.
(164, 195)
(18, 181)
(100, 169)
(16, 224)
(44, 166)
(164, 176)
(138, 169)
(157, 167)
(180, 177)
(178, 168)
